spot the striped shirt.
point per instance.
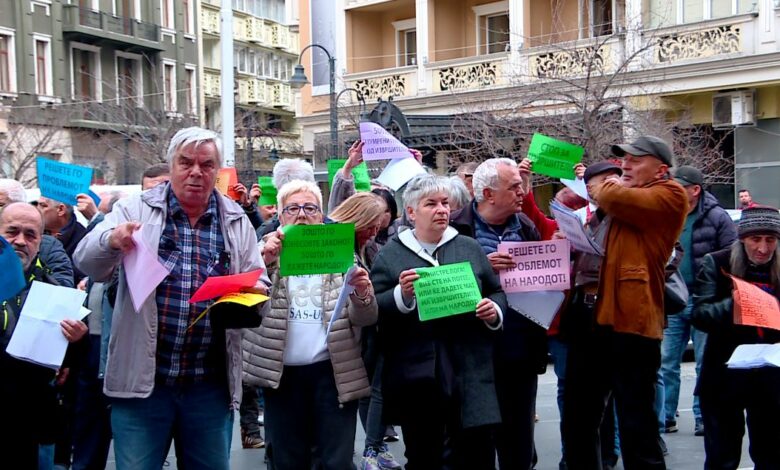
(187, 355)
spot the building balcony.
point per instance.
(397, 82)
(252, 91)
(703, 41)
(103, 26)
(212, 83)
(349, 4)
(469, 74)
(209, 21)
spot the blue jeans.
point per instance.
(197, 416)
(676, 336)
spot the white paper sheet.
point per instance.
(399, 171)
(341, 302)
(37, 337)
(578, 186)
(143, 271)
(751, 356)
(538, 306)
(571, 226)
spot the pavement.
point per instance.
(686, 451)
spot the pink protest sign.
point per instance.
(538, 266)
(378, 144)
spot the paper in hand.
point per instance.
(143, 271)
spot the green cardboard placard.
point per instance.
(317, 249)
(360, 173)
(446, 290)
(268, 191)
(553, 157)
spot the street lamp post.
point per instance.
(359, 97)
(299, 79)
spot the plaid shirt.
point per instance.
(192, 254)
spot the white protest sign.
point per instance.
(578, 186)
(571, 225)
(378, 144)
(398, 172)
(539, 306)
(38, 336)
(538, 266)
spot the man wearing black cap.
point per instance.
(647, 211)
(708, 228)
(727, 395)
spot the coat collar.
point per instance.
(157, 197)
(408, 239)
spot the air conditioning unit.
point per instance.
(736, 108)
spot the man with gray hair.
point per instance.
(495, 215)
(168, 374)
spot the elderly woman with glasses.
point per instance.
(312, 377)
(438, 375)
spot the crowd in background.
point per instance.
(462, 389)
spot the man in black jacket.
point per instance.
(730, 398)
(708, 228)
(26, 389)
(521, 351)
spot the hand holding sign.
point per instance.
(227, 178)
(317, 249)
(354, 157)
(536, 266)
(406, 281)
(486, 311)
(121, 237)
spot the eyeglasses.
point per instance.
(308, 209)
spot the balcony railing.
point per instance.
(398, 82)
(469, 74)
(704, 40)
(106, 25)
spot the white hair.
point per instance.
(297, 186)
(290, 169)
(13, 189)
(486, 175)
(193, 135)
(424, 185)
(459, 193)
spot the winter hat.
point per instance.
(759, 220)
(599, 168)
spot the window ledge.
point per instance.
(189, 36)
(8, 94)
(173, 115)
(49, 99)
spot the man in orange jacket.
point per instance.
(623, 353)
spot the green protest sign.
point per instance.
(268, 191)
(447, 290)
(317, 249)
(553, 157)
(360, 173)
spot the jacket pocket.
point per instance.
(633, 289)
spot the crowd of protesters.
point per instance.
(462, 388)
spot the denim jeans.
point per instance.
(197, 416)
(676, 336)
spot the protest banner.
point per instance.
(554, 157)
(754, 307)
(538, 266)
(267, 191)
(398, 172)
(62, 181)
(538, 306)
(12, 275)
(226, 179)
(359, 173)
(217, 286)
(444, 291)
(378, 144)
(317, 249)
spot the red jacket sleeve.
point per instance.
(545, 225)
